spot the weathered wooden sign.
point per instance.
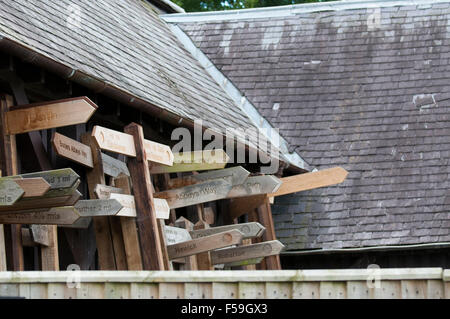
(41, 116)
(103, 191)
(195, 194)
(303, 182)
(158, 153)
(234, 175)
(229, 255)
(249, 230)
(255, 185)
(39, 234)
(128, 204)
(193, 161)
(200, 245)
(10, 192)
(98, 207)
(72, 150)
(114, 141)
(59, 178)
(123, 143)
(175, 235)
(162, 209)
(113, 167)
(33, 187)
(53, 216)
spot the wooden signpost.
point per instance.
(307, 181)
(255, 185)
(72, 150)
(127, 202)
(175, 235)
(10, 192)
(59, 178)
(42, 202)
(162, 208)
(193, 161)
(123, 143)
(47, 216)
(199, 245)
(229, 255)
(98, 207)
(234, 175)
(113, 167)
(39, 235)
(196, 194)
(33, 187)
(41, 116)
(249, 230)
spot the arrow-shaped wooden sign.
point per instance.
(98, 207)
(59, 178)
(53, 216)
(229, 255)
(307, 181)
(234, 175)
(123, 143)
(204, 244)
(72, 150)
(175, 235)
(128, 204)
(41, 116)
(255, 185)
(249, 230)
(114, 141)
(291, 184)
(113, 167)
(162, 209)
(33, 187)
(10, 192)
(195, 194)
(103, 191)
(39, 234)
(193, 161)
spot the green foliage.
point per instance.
(216, 5)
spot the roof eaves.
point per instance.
(290, 10)
(240, 100)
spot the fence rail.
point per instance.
(432, 283)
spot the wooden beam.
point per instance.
(229, 255)
(203, 259)
(190, 261)
(265, 218)
(129, 230)
(9, 162)
(49, 254)
(103, 236)
(150, 241)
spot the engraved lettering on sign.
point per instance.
(181, 249)
(40, 116)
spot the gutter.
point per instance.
(292, 10)
(366, 249)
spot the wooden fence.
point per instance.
(419, 283)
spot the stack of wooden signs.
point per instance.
(135, 223)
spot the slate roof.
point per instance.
(372, 97)
(123, 43)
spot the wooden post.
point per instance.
(264, 213)
(9, 163)
(101, 224)
(129, 230)
(203, 259)
(49, 254)
(152, 254)
(191, 261)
